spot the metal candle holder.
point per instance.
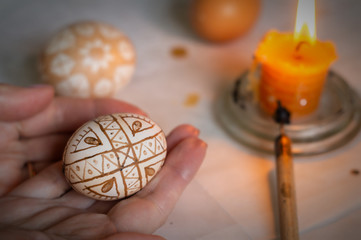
(336, 121)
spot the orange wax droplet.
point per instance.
(191, 100)
(179, 52)
(355, 172)
(31, 169)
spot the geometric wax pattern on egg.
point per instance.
(114, 156)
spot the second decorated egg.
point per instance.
(88, 59)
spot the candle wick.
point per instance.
(296, 54)
(299, 45)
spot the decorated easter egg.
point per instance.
(88, 59)
(223, 20)
(114, 156)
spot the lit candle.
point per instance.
(294, 66)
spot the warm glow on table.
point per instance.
(294, 68)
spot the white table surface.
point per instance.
(233, 194)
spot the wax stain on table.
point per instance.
(191, 100)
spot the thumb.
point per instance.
(17, 103)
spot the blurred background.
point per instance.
(178, 78)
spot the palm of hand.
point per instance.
(45, 207)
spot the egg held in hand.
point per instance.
(223, 20)
(88, 59)
(114, 156)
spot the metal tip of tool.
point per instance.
(281, 115)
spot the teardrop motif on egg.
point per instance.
(114, 156)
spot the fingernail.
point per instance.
(196, 131)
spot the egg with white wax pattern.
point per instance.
(88, 59)
(114, 156)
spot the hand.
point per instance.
(35, 127)
(43, 207)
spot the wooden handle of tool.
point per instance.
(286, 190)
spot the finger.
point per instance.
(67, 114)
(67, 198)
(9, 176)
(30, 169)
(153, 204)
(133, 236)
(17, 103)
(43, 148)
(83, 226)
(39, 166)
(76, 200)
(49, 183)
(49, 217)
(102, 206)
(179, 133)
(92, 226)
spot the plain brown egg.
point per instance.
(223, 20)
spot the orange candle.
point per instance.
(294, 66)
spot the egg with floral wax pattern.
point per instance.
(88, 59)
(114, 156)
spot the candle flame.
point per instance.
(305, 28)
